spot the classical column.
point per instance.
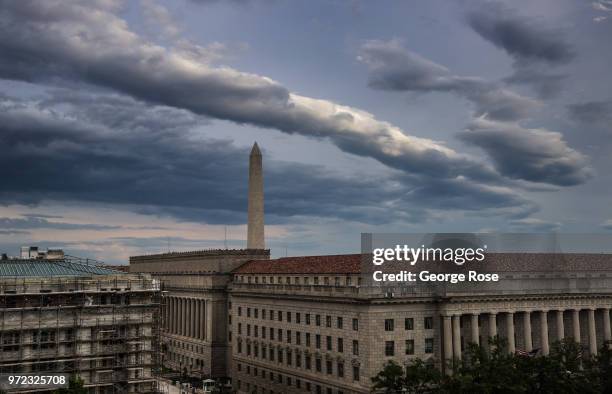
(576, 324)
(592, 335)
(492, 324)
(183, 316)
(606, 324)
(527, 331)
(560, 326)
(208, 317)
(457, 336)
(510, 330)
(197, 319)
(448, 341)
(193, 318)
(203, 319)
(474, 328)
(544, 332)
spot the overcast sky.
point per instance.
(125, 127)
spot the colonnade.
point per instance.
(452, 323)
(187, 316)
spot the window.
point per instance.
(239, 311)
(298, 360)
(298, 338)
(355, 324)
(248, 330)
(271, 315)
(271, 334)
(289, 317)
(256, 331)
(308, 318)
(328, 367)
(288, 336)
(248, 312)
(318, 364)
(429, 345)
(409, 323)
(280, 335)
(329, 343)
(280, 355)
(318, 320)
(339, 323)
(318, 341)
(307, 339)
(256, 313)
(340, 369)
(355, 373)
(428, 323)
(409, 346)
(298, 317)
(263, 314)
(271, 354)
(263, 332)
(280, 316)
(289, 357)
(355, 347)
(389, 348)
(340, 348)
(328, 320)
(307, 361)
(389, 324)
(336, 281)
(239, 328)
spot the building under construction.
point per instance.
(68, 316)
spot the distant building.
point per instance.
(65, 316)
(32, 252)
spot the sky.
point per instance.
(125, 126)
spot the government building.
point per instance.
(319, 324)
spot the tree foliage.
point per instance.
(494, 370)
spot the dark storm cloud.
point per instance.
(74, 154)
(38, 223)
(518, 153)
(392, 67)
(74, 43)
(536, 155)
(525, 39)
(592, 113)
(533, 46)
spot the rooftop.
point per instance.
(494, 262)
(50, 268)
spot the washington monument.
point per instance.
(255, 236)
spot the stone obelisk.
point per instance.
(255, 236)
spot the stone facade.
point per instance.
(277, 304)
(195, 300)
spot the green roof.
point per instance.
(21, 268)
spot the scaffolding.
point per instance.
(104, 329)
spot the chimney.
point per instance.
(255, 236)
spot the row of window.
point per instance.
(285, 381)
(409, 324)
(291, 358)
(307, 339)
(297, 280)
(295, 317)
(279, 378)
(295, 336)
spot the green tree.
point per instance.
(390, 379)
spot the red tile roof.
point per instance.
(494, 262)
(331, 264)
